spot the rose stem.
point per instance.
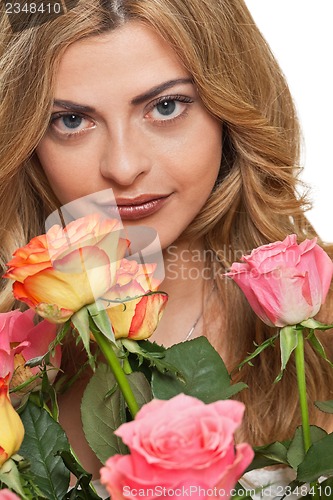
(300, 370)
(118, 371)
(301, 380)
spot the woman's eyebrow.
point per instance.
(72, 106)
(154, 91)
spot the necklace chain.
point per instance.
(193, 327)
(189, 334)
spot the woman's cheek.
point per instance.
(68, 169)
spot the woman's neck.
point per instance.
(186, 271)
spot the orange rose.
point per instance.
(60, 272)
(140, 307)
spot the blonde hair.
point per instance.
(255, 200)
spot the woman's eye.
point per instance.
(68, 124)
(168, 108)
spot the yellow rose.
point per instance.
(137, 318)
(11, 427)
(140, 306)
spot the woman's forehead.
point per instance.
(130, 59)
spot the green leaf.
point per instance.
(155, 358)
(267, 343)
(272, 454)
(83, 488)
(288, 343)
(325, 406)
(315, 325)
(101, 415)
(80, 321)
(50, 395)
(33, 362)
(10, 476)
(318, 461)
(205, 375)
(296, 453)
(101, 321)
(77, 493)
(43, 439)
(140, 388)
(151, 347)
(318, 346)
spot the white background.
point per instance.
(300, 34)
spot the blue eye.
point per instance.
(166, 108)
(72, 121)
(70, 124)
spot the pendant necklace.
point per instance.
(189, 334)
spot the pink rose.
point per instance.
(179, 445)
(285, 283)
(8, 495)
(20, 341)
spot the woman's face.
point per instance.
(127, 116)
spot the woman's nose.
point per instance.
(125, 157)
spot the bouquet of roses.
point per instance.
(159, 419)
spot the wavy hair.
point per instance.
(255, 200)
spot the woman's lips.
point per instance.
(139, 208)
